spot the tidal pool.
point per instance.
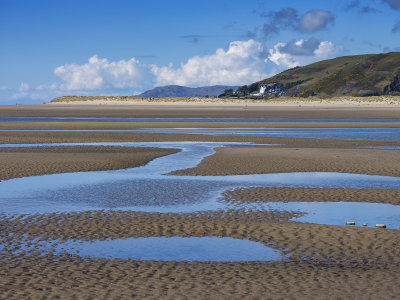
(173, 248)
(148, 188)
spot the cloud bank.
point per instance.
(242, 62)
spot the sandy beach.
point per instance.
(323, 262)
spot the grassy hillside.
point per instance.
(359, 75)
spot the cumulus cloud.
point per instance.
(99, 73)
(280, 20)
(301, 47)
(288, 18)
(302, 52)
(395, 4)
(243, 62)
(315, 20)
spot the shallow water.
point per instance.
(370, 134)
(148, 189)
(338, 213)
(173, 248)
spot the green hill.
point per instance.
(358, 75)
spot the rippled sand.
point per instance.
(259, 160)
(22, 162)
(325, 262)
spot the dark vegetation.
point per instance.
(358, 75)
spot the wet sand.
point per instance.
(139, 125)
(22, 162)
(260, 159)
(88, 137)
(284, 194)
(324, 262)
(202, 110)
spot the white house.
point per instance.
(268, 89)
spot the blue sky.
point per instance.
(54, 48)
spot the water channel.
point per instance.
(150, 189)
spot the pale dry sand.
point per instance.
(22, 162)
(261, 159)
(375, 101)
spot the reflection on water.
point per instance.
(338, 213)
(370, 134)
(173, 248)
(147, 188)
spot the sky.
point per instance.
(56, 48)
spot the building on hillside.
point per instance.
(268, 90)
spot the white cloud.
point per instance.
(242, 63)
(315, 20)
(327, 50)
(99, 73)
(324, 50)
(24, 87)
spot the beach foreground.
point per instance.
(322, 261)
